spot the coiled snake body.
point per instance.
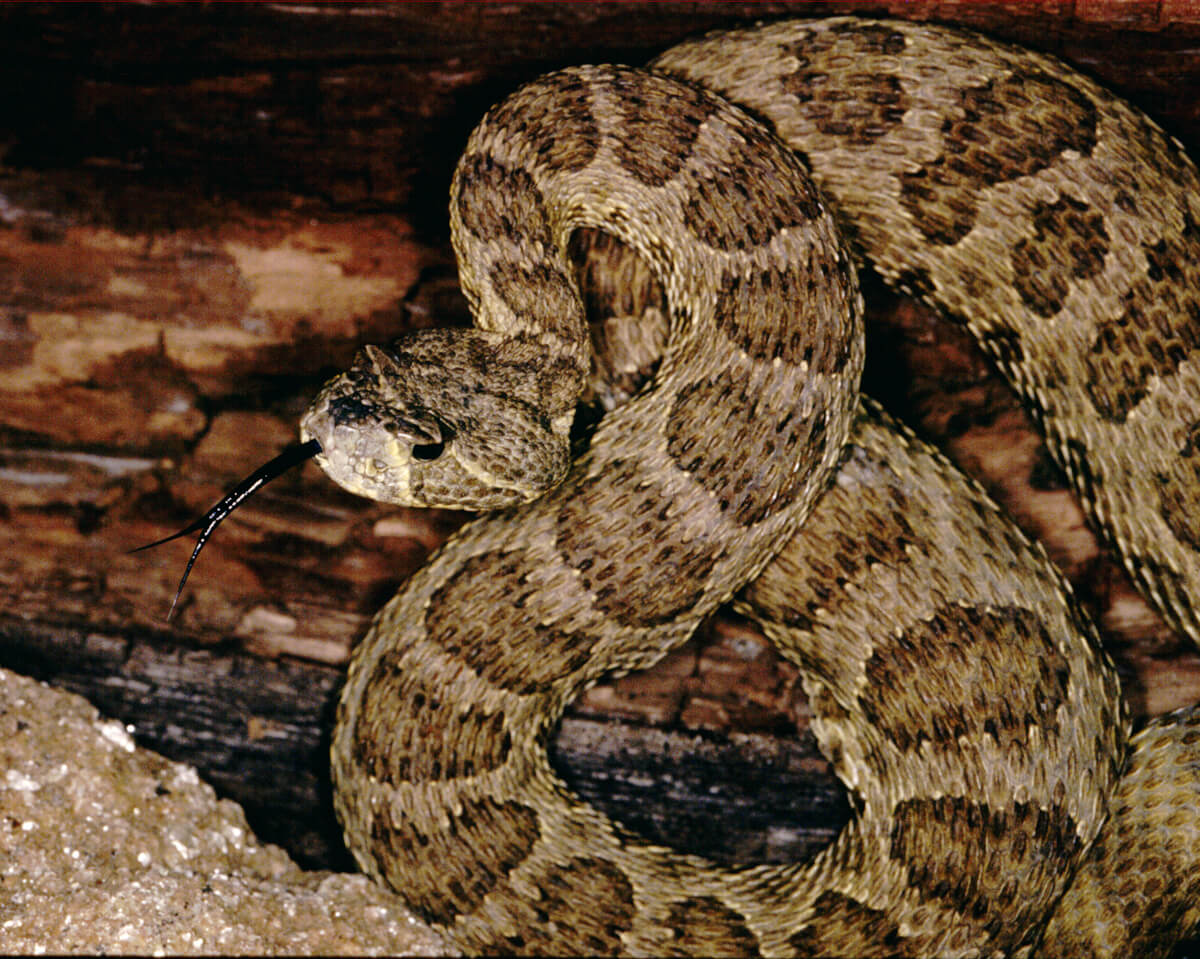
(959, 692)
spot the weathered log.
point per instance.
(204, 210)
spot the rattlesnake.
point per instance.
(959, 692)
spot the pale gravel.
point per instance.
(107, 847)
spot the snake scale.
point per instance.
(1001, 806)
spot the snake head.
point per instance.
(443, 418)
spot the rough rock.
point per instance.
(107, 847)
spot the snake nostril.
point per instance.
(427, 451)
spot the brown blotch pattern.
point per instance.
(658, 126)
(1179, 492)
(499, 582)
(859, 107)
(644, 575)
(874, 39)
(768, 314)
(593, 893)
(1157, 331)
(981, 689)
(704, 926)
(803, 581)
(761, 180)
(614, 279)
(1001, 138)
(504, 202)
(424, 741)
(448, 871)
(1069, 241)
(985, 862)
(553, 119)
(541, 295)
(744, 447)
(845, 927)
(1004, 346)
(819, 581)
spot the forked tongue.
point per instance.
(206, 524)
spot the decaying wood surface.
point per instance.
(205, 210)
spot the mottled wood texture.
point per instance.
(205, 209)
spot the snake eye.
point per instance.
(430, 446)
(427, 451)
(427, 434)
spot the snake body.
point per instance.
(957, 688)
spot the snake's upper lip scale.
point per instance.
(291, 456)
